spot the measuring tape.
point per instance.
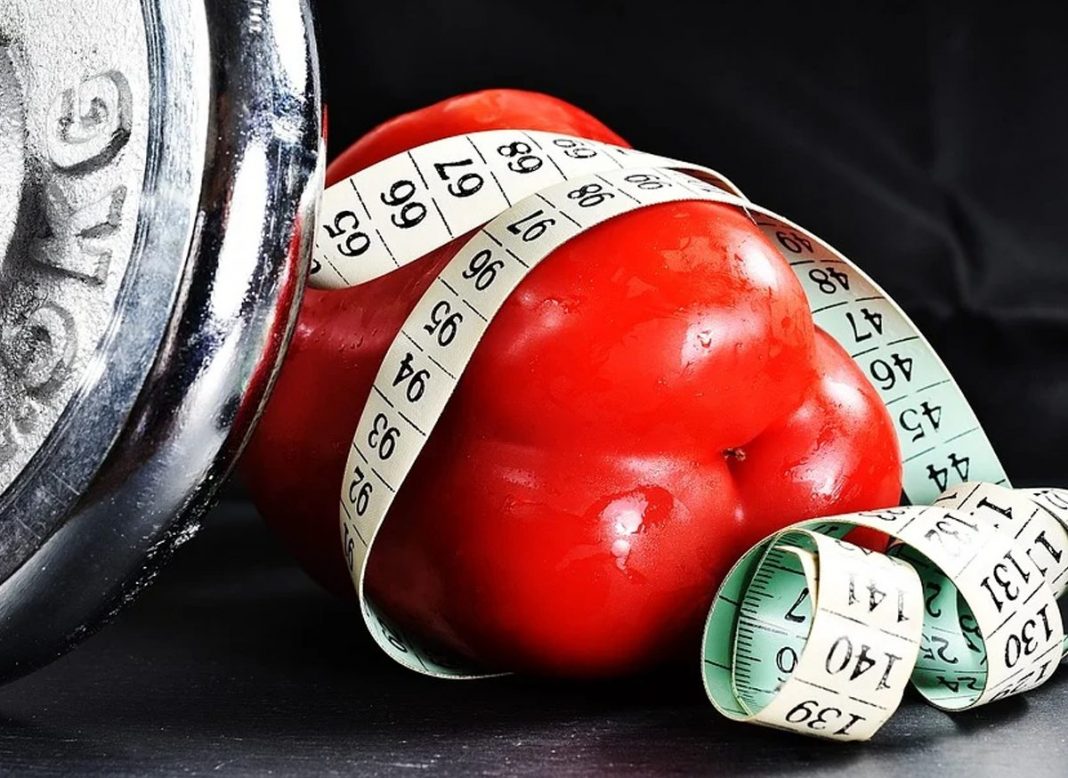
(819, 636)
(808, 632)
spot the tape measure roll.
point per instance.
(808, 632)
(986, 627)
(814, 635)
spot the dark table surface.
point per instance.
(235, 664)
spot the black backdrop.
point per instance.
(926, 142)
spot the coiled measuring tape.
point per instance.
(808, 632)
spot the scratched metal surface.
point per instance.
(235, 664)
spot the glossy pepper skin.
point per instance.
(651, 401)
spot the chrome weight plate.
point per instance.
(159, 169)
(75, 150)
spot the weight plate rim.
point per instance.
(59, 472)
(262, 162)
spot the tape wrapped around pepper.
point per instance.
(651, 400)
(808, 632)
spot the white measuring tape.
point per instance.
(808, 632)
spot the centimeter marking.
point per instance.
(379, 220)
(531, 192)
(778, 607)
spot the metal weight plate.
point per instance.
(159, 171)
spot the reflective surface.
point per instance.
(201, 319)
(75, 97)
(12, 153)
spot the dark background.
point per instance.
(927, 142)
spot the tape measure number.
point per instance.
(808, 633)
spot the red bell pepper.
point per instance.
(652, 400)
